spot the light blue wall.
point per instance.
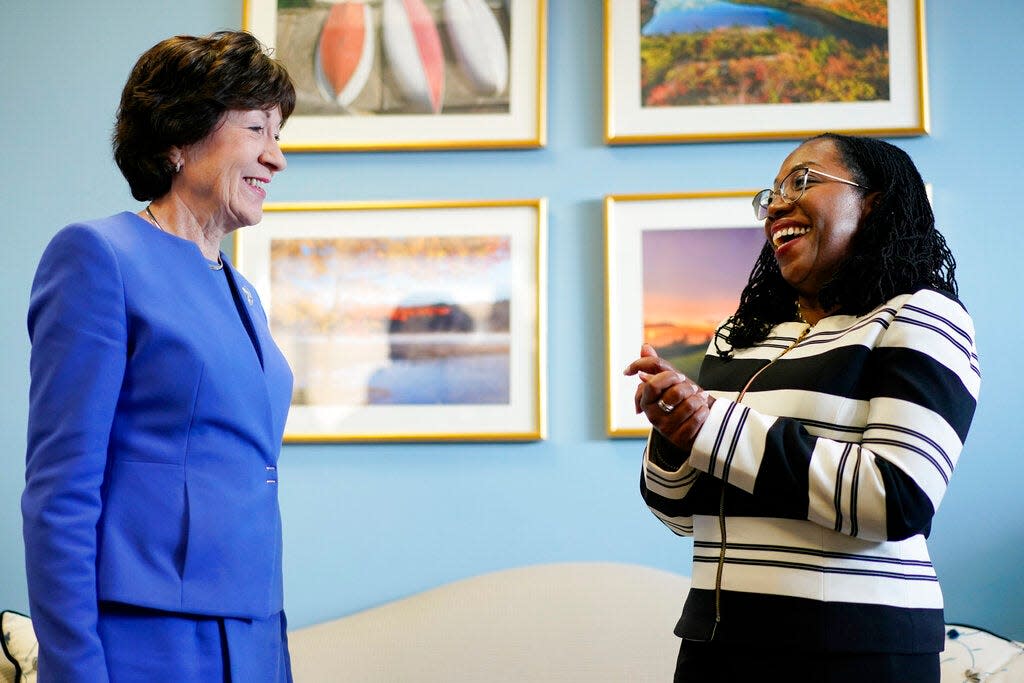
(366, 524)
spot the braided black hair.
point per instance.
(896, 250)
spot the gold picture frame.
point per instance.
(675, 265)
(406, 320)
(689, 75)
(409, 74)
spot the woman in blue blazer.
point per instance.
(158, 398)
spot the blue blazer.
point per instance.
(155, 424)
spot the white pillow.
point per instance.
(973, 654)
(20, 649)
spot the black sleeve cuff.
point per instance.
(664, 453)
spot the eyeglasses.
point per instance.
(791, 189)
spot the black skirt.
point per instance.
(734, 663)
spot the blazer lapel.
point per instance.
(247, 300)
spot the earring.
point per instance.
(177, 167)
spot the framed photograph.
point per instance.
(409, 74)
(703, 70)
(676, 264)
(406, 321)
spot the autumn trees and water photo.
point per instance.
(707, 52)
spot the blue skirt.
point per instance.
(151, 646)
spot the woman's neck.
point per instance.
(176, 219)
(810, 311)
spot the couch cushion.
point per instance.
(579, 621)
(19, 647)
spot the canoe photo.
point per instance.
(380, 57)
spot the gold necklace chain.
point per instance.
(800, 312)
(218, 265)
(721, 501)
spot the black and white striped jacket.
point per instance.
(835, 460)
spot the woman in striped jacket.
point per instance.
(810, 455)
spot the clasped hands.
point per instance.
(676, 406)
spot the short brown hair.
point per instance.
(178, 91)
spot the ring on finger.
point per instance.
(665, 407)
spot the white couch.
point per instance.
(558, 623)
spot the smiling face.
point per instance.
(223, 175)
(812, 236)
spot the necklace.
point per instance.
(214, 265)
(800, 313)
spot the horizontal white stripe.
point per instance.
(940, 332)
(927, 448)
(801, 559)
(801, 534)
(782, 337)
(821, 586)
(671, 490)
(681, 526)
(825, 415)
(666, 483)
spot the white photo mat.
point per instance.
(522, 222)
(627, 121)
(627, 218)
(523, 126)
